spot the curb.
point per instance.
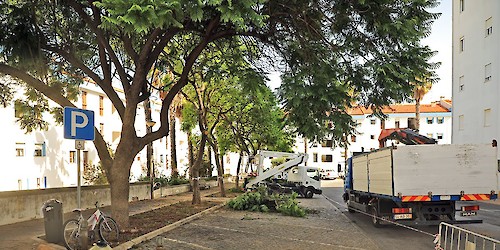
(150, 235)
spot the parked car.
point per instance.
(328, 174)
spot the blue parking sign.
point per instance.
(78, 124)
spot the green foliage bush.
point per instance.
(177, 180)
(261, 201)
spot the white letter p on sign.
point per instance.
(74, 124)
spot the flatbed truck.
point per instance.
(420, 184)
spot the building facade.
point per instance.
(44, 159)
(476, 67)
(435, 122)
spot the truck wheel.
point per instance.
(308, 193)
(350, 209)
(375, 219)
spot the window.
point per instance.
(327, 144)
(39, 149)
(18, 111)
(489, 27)
(487, 117)
(85, 158)
(461, 84)
(342, 154)
(461, 122)
(228, 159)
(382, 124)
(372, 137)
(462, 5)
(412, 123)
(372, 121)
(101, 105)
(429, 135)
(101, 128)
(439, 136)
(113, 109)
(315, 157)
(396, 124)
(326, 158)
(487, 72)
(430, 120)
(462, 44)
(353, 138)
(72, 156)
(84, 100)
(440, 120)
(20, 149)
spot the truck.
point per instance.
(421, 184)
(287, 177)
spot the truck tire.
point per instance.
(308, 193)
(375, 217)
(350, 209)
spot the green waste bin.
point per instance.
(53, 220)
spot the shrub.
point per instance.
(177, 180)
(260, 201)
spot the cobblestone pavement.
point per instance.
(325, 228)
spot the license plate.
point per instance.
(469, 213)
(402, 216)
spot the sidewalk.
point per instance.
(24, 235)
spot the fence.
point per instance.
(451, 237)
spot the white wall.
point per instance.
(364, 141)
(477, 94)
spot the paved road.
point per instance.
(393, 237)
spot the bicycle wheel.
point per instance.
(72, 234)
(108, 229)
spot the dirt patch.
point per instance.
(144, 223)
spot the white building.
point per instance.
(44, 159)
(435, 122)
(476, 67)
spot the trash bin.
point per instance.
(53, 220)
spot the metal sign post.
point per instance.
(79, 145)
(78, 125)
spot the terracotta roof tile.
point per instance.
(402, 108)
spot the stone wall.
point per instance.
(17, 206)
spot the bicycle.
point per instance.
(74, 236)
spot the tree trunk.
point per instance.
(305, 149)
(219, 161)
(220, 176)
(238, 169)
(417, 115)
(119, 184)
(173, 145)
(195, 171)
(190, 154)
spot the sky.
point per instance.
(440, 40)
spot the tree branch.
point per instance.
(54, 95)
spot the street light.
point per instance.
(149, 152)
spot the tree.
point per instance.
(326, 47)
(421, 88)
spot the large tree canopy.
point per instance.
(330, 51)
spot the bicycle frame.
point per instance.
(94, 219)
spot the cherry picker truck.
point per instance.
(287, 177)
